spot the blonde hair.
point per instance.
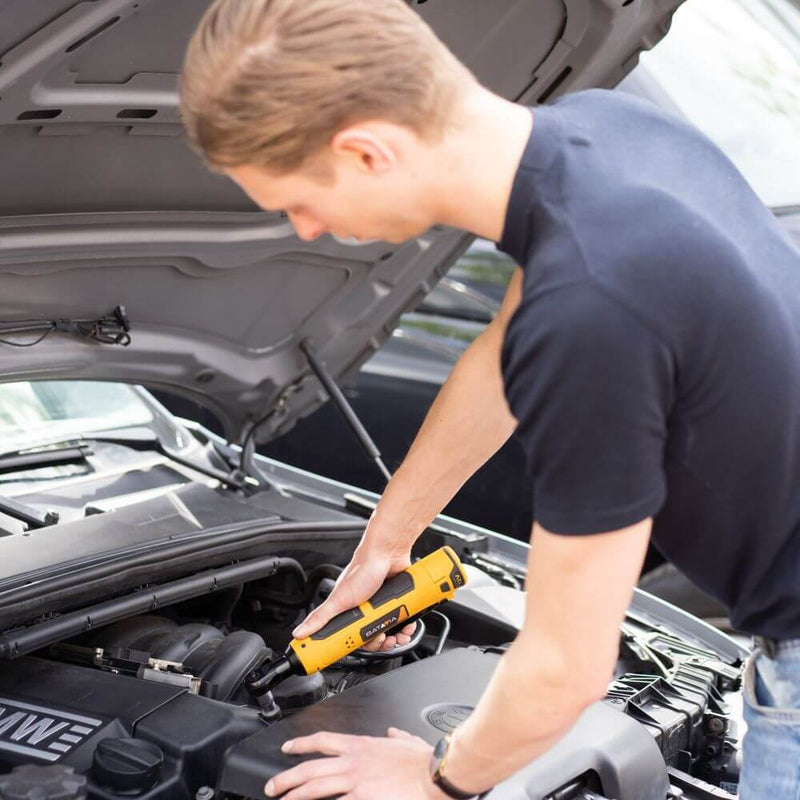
(269, 82)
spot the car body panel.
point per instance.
(103, 205)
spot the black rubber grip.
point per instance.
(338, 622)
(394, 588)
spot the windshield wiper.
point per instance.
(32, 517)
(152, 441)
(147, 439)
(74, 449)
(71, 452)
(45, 457)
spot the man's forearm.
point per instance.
(467, 423)
(562, 659)
(529, 704)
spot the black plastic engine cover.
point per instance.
(430, 698)
(52, 712)
(55, 713)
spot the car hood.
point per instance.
(102, 204)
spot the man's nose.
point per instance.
(306, 227)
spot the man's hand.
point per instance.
(358, 768)
(362, 577)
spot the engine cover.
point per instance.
(430, 698)
(54, 713)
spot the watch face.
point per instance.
(438, 766)
(438, 754)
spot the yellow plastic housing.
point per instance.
(430, 581)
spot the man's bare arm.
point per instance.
(467, 423)
(562, 660)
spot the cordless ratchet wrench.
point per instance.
(403, 597)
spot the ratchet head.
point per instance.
(263, 678)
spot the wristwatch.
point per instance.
(438, 763)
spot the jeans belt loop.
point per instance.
(769, 646)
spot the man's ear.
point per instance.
(368, 150)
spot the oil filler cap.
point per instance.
(127, 765)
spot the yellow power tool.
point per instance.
(404, 597)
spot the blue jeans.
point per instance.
(771, 769)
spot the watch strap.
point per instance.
(449, 789)
(437, 769)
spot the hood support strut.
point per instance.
(247, 465)
(340, 401)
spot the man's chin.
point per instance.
(354, 240)
(392, 237)
(399, 238)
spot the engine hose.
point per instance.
(444, 633)
(319, 574)
(311, 581)
(395, 652)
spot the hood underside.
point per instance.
(102, 204)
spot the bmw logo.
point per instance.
(446, 717)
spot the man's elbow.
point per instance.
(574, 694)
(570, 685)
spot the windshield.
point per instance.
(52, 410)
(732, 68)
(474, 287)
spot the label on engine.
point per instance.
(42, 733)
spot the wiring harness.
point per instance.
(114, 328)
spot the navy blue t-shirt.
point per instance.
(654, 361)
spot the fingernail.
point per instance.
(269, 788)
(296, 632)
(287, 746)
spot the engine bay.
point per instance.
(157, 705)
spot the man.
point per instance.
(646, 354)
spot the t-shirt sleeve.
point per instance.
(591, 387)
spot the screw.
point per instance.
(716, 725)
